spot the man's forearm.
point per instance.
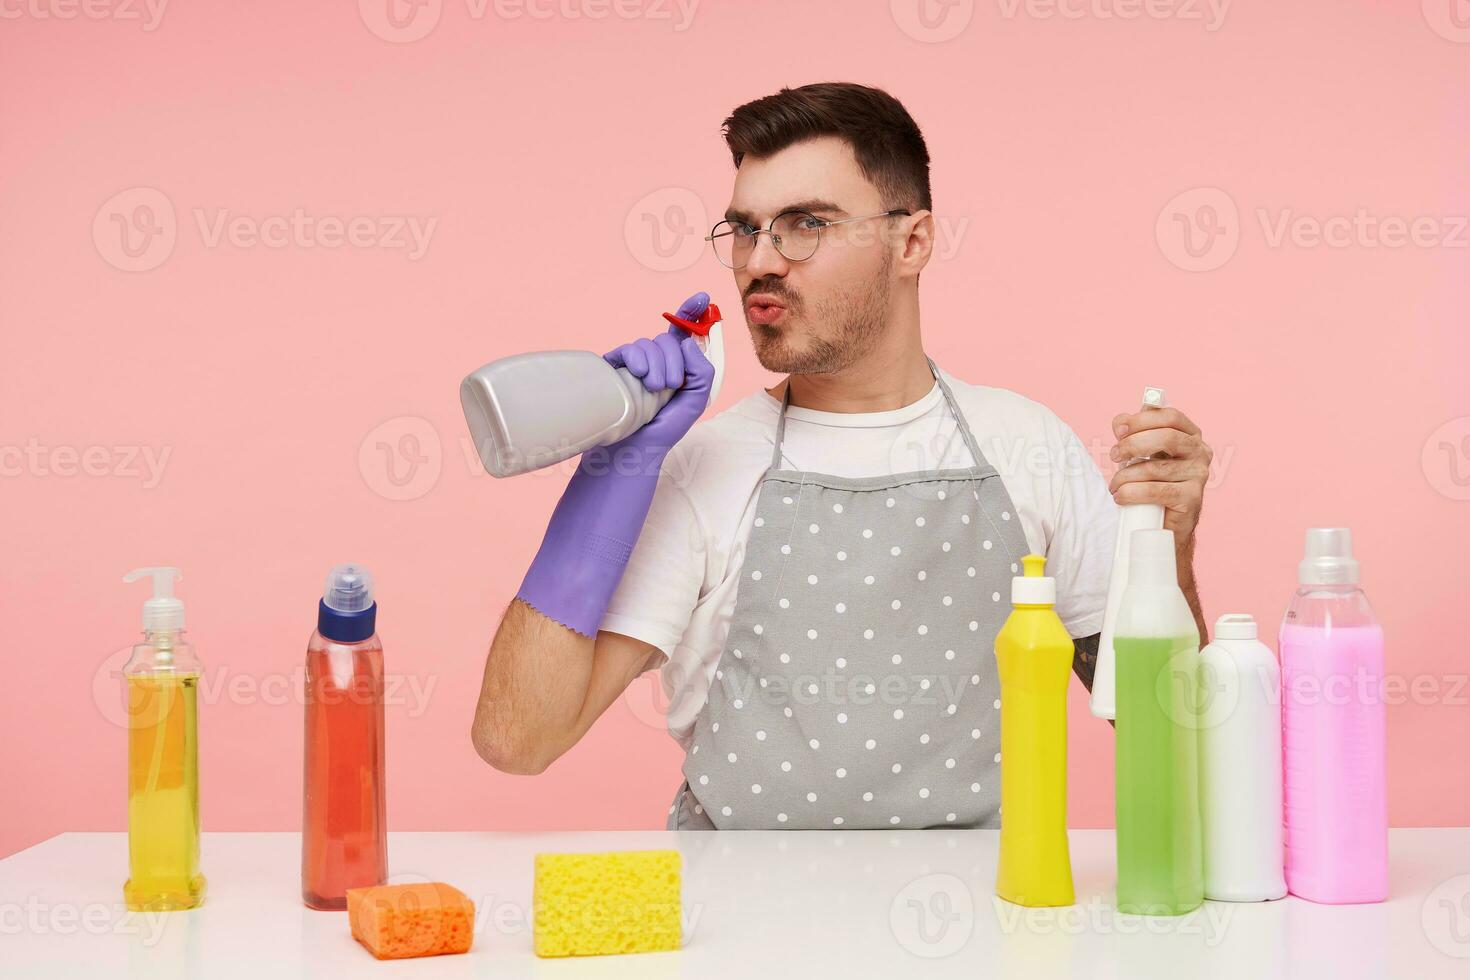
(1084, 658)
(1190, 588)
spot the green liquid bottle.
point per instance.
(1160, 851)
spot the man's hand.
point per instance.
(1174, 472)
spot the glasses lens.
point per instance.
(799, 234)
(732, 244)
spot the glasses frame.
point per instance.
(776, 239)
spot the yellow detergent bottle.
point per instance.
(1034, 653)
(163, 756)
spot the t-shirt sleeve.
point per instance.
(656, 597)
(1085, 529)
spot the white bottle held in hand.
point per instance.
(533, 410)
(1134, 517)
(1240, 764)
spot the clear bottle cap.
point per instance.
(164, 611)
(1328, 559)
(349, 588)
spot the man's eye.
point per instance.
(809, 223)
(742, 229)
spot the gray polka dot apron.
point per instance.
(858, 686)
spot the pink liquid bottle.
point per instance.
(1333, 731)
(343, 831)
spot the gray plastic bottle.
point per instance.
(534, 410)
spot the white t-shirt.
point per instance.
(678, 592)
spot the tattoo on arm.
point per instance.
(1084, 658)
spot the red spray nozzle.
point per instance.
(701, 326)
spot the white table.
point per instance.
(757, 906)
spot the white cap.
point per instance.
(1154, 398)
(1236, 626)
(1329, 558)
(349, 588)
(163, 611)
(1033, 588)
(1151, 558)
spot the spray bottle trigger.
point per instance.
(699, 327)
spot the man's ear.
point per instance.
(918, 245)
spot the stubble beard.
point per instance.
(859, 321)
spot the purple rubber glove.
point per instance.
(597, 521)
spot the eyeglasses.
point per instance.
(796, 235)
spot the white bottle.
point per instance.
(533, 410)
(1240, 764)
(1134, 517)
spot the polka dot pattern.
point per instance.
(866, 677)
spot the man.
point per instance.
(821, 570)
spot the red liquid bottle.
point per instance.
(343, 827)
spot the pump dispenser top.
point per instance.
(164, 611)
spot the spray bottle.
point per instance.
(1134, 517)
(343, 831)
(1034, 654)
(1333, 730)
(534, 410)
(162, 677)
(1240, 764)
(1160, 860)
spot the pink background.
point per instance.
(1329, 378)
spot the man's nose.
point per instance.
(765, 259)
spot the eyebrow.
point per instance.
(813, 205)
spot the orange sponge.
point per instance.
(399, 921)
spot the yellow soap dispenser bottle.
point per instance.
(1034, 654)
(163, 756)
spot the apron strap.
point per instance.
(954, 410)
(781, 427)
(959, 417)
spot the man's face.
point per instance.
(822, 314)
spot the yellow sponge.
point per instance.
(597, 904)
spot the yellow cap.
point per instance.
(1033, 588)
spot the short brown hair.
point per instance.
(885, 139)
